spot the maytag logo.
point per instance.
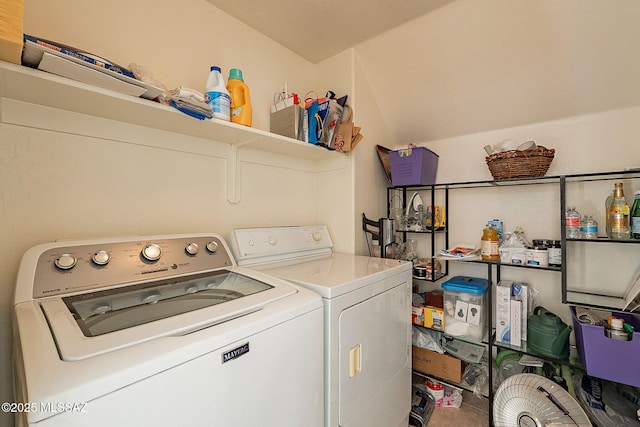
(235, 353)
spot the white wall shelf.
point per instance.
(45, 89)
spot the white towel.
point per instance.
(592, 316)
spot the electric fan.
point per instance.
(529, 400)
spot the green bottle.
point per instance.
(635, 216)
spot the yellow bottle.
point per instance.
(490, 243)
(240, 99)
(619, 214)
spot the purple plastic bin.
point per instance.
(606, 358)
(415, 166)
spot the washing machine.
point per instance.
(162, 331)
(367, 319)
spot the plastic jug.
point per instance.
(240, 99)
(547, 334)
(217, 94)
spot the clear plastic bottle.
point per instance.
(411, 253)
(241, 112)
(588, 227)
(572, 223)
(619, 214)
(217, 94)
(635, 216)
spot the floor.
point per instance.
(474, 412)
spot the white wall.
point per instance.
(474, 66)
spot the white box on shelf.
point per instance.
(503, 310)
(520, 292)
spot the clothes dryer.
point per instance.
(367, 319)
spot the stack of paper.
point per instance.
(462, 252)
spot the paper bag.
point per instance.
(348, 135)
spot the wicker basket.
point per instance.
(520, 163)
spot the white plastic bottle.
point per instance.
(217, 94)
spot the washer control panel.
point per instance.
(79, 266)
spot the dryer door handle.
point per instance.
(355, 361)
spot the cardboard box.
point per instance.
(417, 315)
(434, 298)
(429, 317)
(442, 366)
(11, 30)
(434, 318)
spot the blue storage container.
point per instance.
(473, 285)
(464, 307)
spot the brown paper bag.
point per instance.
(344, 134)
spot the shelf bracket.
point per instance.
(234, 188)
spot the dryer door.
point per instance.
(375, 336)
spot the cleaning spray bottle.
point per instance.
(240, 98)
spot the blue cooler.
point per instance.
(465, 302)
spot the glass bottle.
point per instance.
(607, 206)
(490, 244)
(572, 223)
(588, 228)
(635, 216)
(411, 253)
(619, 214)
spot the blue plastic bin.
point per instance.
(465, 302)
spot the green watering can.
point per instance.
(547, 334)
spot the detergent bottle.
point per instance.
(240, 98)
(217, 94)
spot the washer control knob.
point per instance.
(101, 257)
(316, 235)
(272, 240)
(212, 246)
(192, 248)
(152, 252)
(65, 262)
